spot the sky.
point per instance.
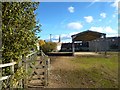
(63, 19)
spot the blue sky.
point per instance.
(67, 18)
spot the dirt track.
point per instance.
(58, 64)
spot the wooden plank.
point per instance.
(0, 69)
(48, 71)
(4, 77)
(20, 65)
(38, 77)
(46, 75)
(7, 64)
(30, 86)
(31, 54)
(36, 82)
(26, 70)
(12, 69)
(37, 71)
(40, 67)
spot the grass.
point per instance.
(92, 72)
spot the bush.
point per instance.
(49, 47)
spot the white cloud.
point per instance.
(55, 37)
(64, 37)
(108, 30)
(73, 33)
(89, 19)
(71, 9)
(74, 25)
(98, 29)
(103, 15)
(115, 4)
(113, 15)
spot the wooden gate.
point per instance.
(37, 70)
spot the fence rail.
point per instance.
(6, 77)
(27, 63)
(7, 64)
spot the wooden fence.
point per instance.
(32, 65)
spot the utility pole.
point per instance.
(50, 38)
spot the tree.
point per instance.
(49, 47)
(41, 42)
(18, 30)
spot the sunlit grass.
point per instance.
(92, 72)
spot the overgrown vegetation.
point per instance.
(18, 31)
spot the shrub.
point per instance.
(49, 47)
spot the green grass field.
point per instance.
(91, 72)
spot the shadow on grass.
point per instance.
(92, 78)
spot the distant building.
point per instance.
(80, 46)
(58, 46)
(111, 44)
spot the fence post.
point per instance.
(45, 72)
(26, 69)
(12, 69)
(0, 43)
(48, 68)
(25, 65)
(47, 62)
(0, 69)
(0, 76)
(20, 65)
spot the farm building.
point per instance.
(91, 41)
(94, 45)
(111, 44)
(79, 46)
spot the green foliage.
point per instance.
(49, 47)
(19, 29)
(16, 77)
(41, 42)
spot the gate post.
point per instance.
(20, 65)
(0, 69)
(12, 69)
(47, 64)
(26, 70)
(48, 70)
(0, 43)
